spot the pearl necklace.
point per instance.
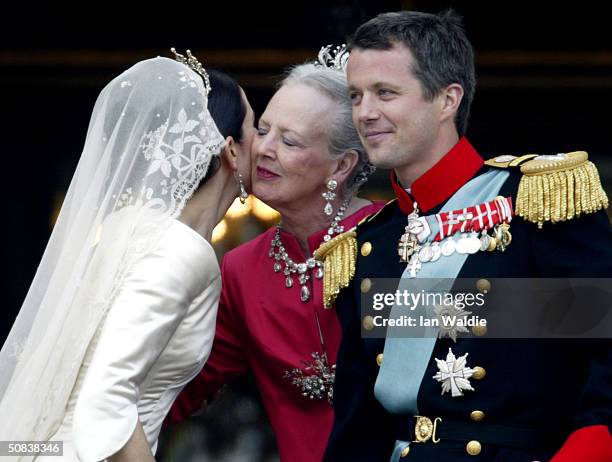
(279, 254)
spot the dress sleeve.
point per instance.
(141, 320)
(228, 357)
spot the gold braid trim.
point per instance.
(338, 256)
(559, 190)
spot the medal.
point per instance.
(453, 374)
(425, 254)
(414, 266)
(462, 244)
(492, 244)
(473, 244)
(414, 227)
(409, 242)
(436, 251)
(484, 241)
(503, 236)
(406, 247)
(426, 239)
(448, 246)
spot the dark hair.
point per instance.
(227, 109)
(225, 104)
(442, 53)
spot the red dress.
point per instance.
(264, 327)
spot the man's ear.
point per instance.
(345, 165)
(451, 99)
(229, 154)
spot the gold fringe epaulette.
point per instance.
(559, 188)
(338, 256)
(507, 161)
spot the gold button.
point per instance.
(368, 322)
(379, 359)
(366, 249)
(483, 285)
(477, 416)
(366, 285)
(473, 448)
(479, 331)
(479, 373)
(405, 451)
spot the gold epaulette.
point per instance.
(338, 256)
(508, 161)
(559, 188)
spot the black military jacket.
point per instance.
(533, 394)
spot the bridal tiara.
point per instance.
(194, 64)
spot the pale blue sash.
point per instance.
(406, 359)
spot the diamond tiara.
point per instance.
(335, 58)
(194, 64)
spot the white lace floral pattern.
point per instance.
(149, 143)
(178, 154)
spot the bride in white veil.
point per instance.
(121, 312)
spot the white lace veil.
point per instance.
(149, 143)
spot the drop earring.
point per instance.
(329, 196)
(243, 194)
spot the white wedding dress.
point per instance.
(121, 312)
(155, 338)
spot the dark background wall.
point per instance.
(544, 85)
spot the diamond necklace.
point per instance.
(279, 254)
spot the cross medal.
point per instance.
(414, 266)
(408, 245)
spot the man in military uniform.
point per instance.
(411, 78)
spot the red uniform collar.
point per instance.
(442, 180)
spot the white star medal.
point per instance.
(453, 374)
(451, 321)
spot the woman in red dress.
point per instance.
(308, 163)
